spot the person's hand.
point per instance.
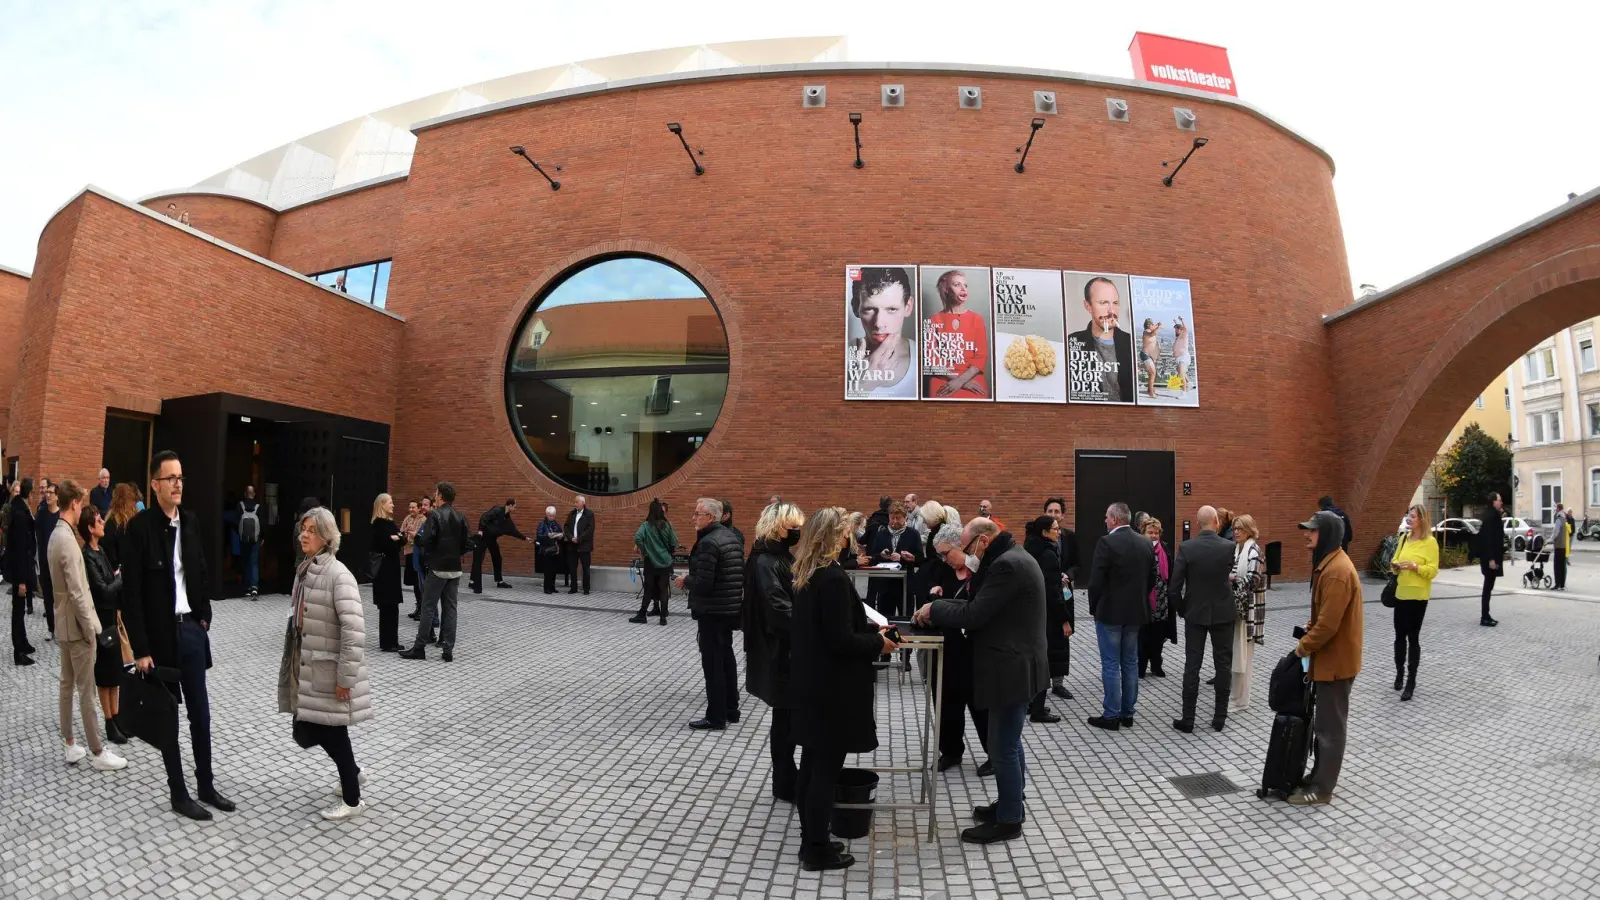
(1233, 579)
(22, 590)
(1493, 564)
(1065, 581)
(1299, 651)
(145, 664)
(907, 556)
(680, 581)
(948, 389)
(936, 591)
(886, 554)
(864, 561)
(394, 537)
(342, 694)
(205, 626)
(889, 646)
(1066, 629)
(924, 616)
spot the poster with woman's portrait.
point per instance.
(880, 334)
(1099, 345)
(1164, 311)
(956, 323)
(1029, 338)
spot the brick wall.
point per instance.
(13, 297)
(1406, 367)
(128, 307)
(242, 223)
(778, 215)
(348, 229)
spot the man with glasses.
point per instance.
(715, 582)
(167, 614)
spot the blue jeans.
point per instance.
(1119, 668)
(251, 553)
(1005, 752)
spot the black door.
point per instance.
(1143, 479)
(361, 474)
(126, 450)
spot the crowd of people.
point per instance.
(126, 590)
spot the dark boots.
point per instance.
(1405, 670)
(113, 733)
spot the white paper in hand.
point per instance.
(892, 566)
(876, 617)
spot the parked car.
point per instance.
(1519, 532)
(1456, 532)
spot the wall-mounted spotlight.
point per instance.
(677, 129)
(1044, 102)
(1116, 110)
(969, 97)
(1198, 143)
(520, 151)
(1036, 125)
(894, 95)
(1184, 118)
(855, 122)
(814, 96)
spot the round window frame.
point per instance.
(508, 382)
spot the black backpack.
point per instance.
(1286, 693)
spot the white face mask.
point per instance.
(972, 563)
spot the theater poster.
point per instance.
(957, 320)
(1029, 336)
(1164, 311)
(1100, 346)
(880, 334)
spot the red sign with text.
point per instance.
(1183, 63)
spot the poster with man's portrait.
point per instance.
(1029, 337)
(1164, 310)
(1100, 346)
(880, 334)
(956, 323)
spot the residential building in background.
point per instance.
(1555, 424)
(1491, 411)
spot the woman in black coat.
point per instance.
(766, 618)
(387, 591)
(832, 651)
(1044, 537)
(22, 576)
(105, 588)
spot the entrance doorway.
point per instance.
(1143, 479)
(126, 451)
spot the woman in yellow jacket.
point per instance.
(1415, 564)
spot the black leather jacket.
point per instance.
(443, 539)
(105, 585)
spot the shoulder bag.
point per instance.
(1389, 597)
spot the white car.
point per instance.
(1518, 532)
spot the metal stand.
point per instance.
(932, 706)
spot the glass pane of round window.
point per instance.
(617, 375)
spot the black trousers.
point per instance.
(388, 626)
(576, 559)
(819, 774)
(19, 627)
(1194, 648)
(1561, 568)
(957, 704)
(492, 544)
(1488, 587)
(550, 577)
(335, 740)
(192, 650)
(1408, 615)
(785, 776)
(1152, 642)
(657, 585)
(722, 673)
(47, 594)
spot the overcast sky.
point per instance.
(1447, 127)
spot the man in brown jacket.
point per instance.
(1333, 643)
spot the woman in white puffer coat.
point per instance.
(323, 678)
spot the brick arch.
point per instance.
(506, 332)
(1441, 374)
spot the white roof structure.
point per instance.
(381, 143)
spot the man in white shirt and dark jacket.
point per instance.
(494, 524)
(580, 543)
(167, 613)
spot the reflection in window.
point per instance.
(618, 375)
(368, 283)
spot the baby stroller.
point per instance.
(1538, 554)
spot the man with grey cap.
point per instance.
(1201, 593)
(1332, 643)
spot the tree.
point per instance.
(1474, 466)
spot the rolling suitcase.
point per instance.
(1292, 743)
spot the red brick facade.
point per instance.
(13, 296)
(1291, 408)
(243, 223)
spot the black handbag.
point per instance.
(1389, 597)
(146, 708)
(374, 565)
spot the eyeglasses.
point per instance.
(173, 480)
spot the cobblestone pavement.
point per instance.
(551, 760)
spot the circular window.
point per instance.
(617, 375)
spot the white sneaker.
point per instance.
(341, 812)
(75, 753)
(108, 761)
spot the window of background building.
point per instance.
(1594, 487)
(617, 375)
(1480, 401)
(1544, 427)
(1508, 398)
(1586, 362)
(1594, 419)
(368, 282)
(1540, 365)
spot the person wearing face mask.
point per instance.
(949, 579)
(1006, 621)
(1333, 643)
(899, 543)
(854, 555)
(766, 616)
